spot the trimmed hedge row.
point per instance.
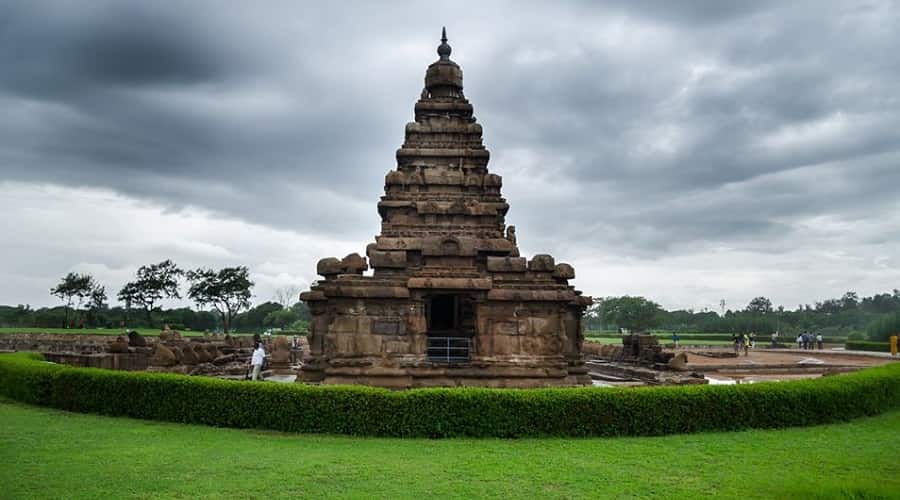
(864, 345)
(449, 412)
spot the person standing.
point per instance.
(736, 339)
(775, 339)
(257, 360)
(820, 341)
(746, 339)
(675, 339)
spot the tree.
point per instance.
(226, 290)
(633, 313)
(73, 288)
(849, 301)
(885, 326)
(281, 318)
(154, 283)
(829, 306)
(254, 318)
(96, 302)
(759, 305)
(287, 295)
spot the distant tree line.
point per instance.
(872, 317)
(256, 319)
(222, 298)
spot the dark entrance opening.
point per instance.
(450, 319)
(444, 314)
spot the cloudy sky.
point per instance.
(686, 151)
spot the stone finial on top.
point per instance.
(443, 49)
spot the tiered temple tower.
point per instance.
(450, 301)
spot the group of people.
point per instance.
(745, 341)
(807, 340)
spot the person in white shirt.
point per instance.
(256, 361)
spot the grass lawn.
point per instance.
(48, 453)
(152, 332)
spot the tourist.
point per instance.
(295, 346)
(752, 340)
(675, 339)
(746, 345)
(736, 340)
(819, 340)
(775, 339)
(799, 341)
(256, 361)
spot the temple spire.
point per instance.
(444, 49)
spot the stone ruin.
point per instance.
(213, 355)
(450, 301)
(640, 358)
(643, 349)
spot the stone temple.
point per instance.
(449, 302)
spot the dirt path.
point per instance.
(781, 358)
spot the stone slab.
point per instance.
(451, 283)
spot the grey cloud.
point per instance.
(289, 115)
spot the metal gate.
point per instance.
(449, 349)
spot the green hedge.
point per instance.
(450, 412)
(863, 345)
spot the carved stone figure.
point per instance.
(163, 356)
(119, 345)
(511, 234)
(135, 339)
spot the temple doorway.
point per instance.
(443, 315)
(450, 324)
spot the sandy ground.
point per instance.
(757, 357)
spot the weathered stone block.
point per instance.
(390, 259)
(344, 324)
(507, 264)
(542, 263)
(564, 272)
(329, 266)
(531, 295)
(163, 356)
(354, 264)
(388, 327)
(504, 327)
(450, 283)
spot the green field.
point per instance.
(48, 453)
(151, 332)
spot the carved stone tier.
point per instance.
(449, 301)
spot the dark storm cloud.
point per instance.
(671, 124)
(61, 49)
